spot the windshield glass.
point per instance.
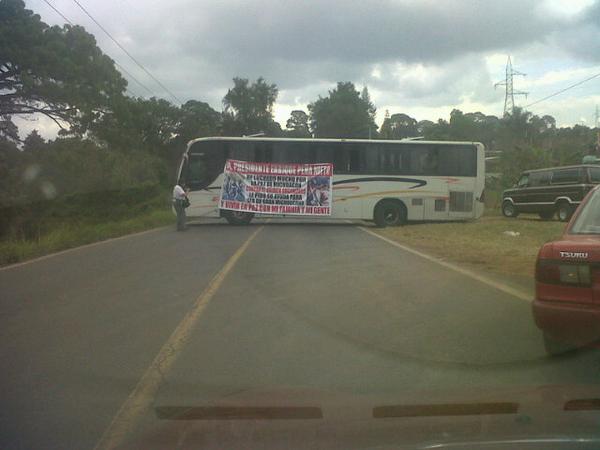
(588, 220)
(292, 224)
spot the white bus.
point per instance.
(388, 182)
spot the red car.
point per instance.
(567, 282)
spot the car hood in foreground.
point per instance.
(546, 417)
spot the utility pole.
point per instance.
(597, 118)
(509, 97)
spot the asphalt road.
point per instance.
(322, 307)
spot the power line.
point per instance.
(127, 53)
(58, 12)
(116, 63)
(563, 90)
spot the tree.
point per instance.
(248, 108)
(343, 114)
(33, 142)
(56, 71)
(371, 109)
(297, 124)
(197, 119)
(398, 126)
(139, 124)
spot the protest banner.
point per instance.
(272, 188)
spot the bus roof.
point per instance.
(379, 141)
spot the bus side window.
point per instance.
(263, 152)
(392, 160)
(373, 159)
(242, 151)
(424, 160)
(458, 161)
(324, 154)
(341, 159)
(296, 153)
(356, 154)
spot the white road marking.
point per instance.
(481, 278)
(142, 396)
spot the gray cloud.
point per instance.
(195, 47)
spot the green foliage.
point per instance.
(27, 221)
(516, 159)
(58, 72)
(71, 165)
(297, 125)
(398, 126)
(196, 119)
(249, 108)
(345, 113)
(34, 142)
(70, 234)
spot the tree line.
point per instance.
(109, 139)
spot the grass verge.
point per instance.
(482, 243)
(70, 234)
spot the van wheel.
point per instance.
(555, 348)
(546, 215)
(389, 214)
(238, 217)
(509, 210)
(565, 211)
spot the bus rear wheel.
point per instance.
(389, 214)
(238, 217)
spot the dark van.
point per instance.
(557, 190)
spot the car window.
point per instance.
(523, 181)
(539, 179)
(594, 174)
(588, 220)
(566, 176)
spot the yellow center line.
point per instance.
(141, 398)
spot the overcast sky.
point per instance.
(420, 57)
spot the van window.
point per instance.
(595, 174)
(524, 181)
(539, 179)
(566, 176)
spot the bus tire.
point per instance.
(237, 217)
(389, 213)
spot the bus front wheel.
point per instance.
(238, 217)
(389, 214)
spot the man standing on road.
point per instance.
(180, 201)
